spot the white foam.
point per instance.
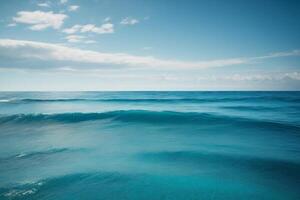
(16, 193)
(21, 155)
(5, 100)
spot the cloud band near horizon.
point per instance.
(22, 49)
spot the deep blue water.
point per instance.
(149, 145)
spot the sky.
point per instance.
(103, 45)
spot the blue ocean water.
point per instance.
(149, 145)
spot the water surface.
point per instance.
(149, 145)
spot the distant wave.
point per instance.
(256, 108)
(41, 100)
(155, 100)
(150, 117)
(129, 100)
(262, 108)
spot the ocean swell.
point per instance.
(148, 117)
(156, 100)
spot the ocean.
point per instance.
(150, 145)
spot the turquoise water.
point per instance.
(149, 145)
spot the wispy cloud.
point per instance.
(129, 21)
(90, 41)
(280, 54)
(75, 38)
(56, 52)
(103, 29)
(46, 5)
(252, 77)
(11, 24)
(73, 29)
(79, 39)
(63, 1)
(40, 20)
(73, 8)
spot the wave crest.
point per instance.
(156, 100)
(150, 117)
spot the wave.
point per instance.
(252, 108)
(155, 100)
(42, 153)
(140, 100)
(97, 182)
(150, 117)
(220, 160)
(260, 108)
(37, 154)
(41, 100)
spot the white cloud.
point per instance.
(103, 29)
(75, 38)
(73, 7)
(11, 24)
(129, 21)
(247, 77)
(262, 76)
(40, 20)
(72, 30)
(46, 51)
(90, 41)
(79, 39)
(55, 52)
(280, 54)
(67, 68)
(63, 1)
(43, 4)
(292, 75)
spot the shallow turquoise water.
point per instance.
(149, 145)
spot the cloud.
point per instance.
(103, 29)
(40, 20)
(43, 5)
(79, 39)
(20, 49)
(129, 21)
(73, 7)
(55, 52)
(280, 54)
(75, 38)
(254, 77)
(292, 75)
(73, 29)
(90, 42)
(11, 24)
(63, 1)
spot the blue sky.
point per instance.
(149, 45)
